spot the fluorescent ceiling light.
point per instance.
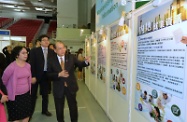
(12, 2)
(41, 9)
(9, 6)
(13, 6)
(20, 10)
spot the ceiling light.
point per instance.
(39, 0)
(16, 9)
(9, 6)
(81, 32)
(19, 10)
(43, 9)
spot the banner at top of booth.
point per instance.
(108, 11)
(5, 32)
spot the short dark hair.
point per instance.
(36, 41)
(145, 92)
(80, 50)
(42, 36)
(16, 51)
(51, 44)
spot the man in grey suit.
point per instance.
(61, 72)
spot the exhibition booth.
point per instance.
(6, 39)
(138, 60)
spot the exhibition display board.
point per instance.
(119, 37)
(141, 63)
(93, 55)
(160, 94)
(101, 59)
(87, 69)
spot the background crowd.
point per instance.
(23, 70)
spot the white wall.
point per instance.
(67, 12)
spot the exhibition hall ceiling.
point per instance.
(33, 6)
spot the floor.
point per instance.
(89, 109)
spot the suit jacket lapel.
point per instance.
(66, 62)
(57, 63)
(41, 53)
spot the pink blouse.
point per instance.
(17, 79)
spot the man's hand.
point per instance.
(184, 39)
(4, 98)
(87, 59)
(33, 80)
(63, 73)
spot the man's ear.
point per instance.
(55, 50)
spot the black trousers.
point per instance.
(44, 91)
(72, 104)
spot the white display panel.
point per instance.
(119, 37)
(93, 56)
(101, 59)
(161, 63)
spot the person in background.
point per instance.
(61, 71)
(30, 45)
(2, 63)
(17, 79)
(28, 50)
(80, 58)
(68, 51)
(8, 53)
(38, 60)
(51, 46)
(37, 43)
(3, 97)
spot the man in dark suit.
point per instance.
(61, 71)
(38, 60)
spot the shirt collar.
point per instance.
(59, 57)
(44, 48)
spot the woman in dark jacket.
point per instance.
(2, 63)
(3, 98)
(8, 53)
